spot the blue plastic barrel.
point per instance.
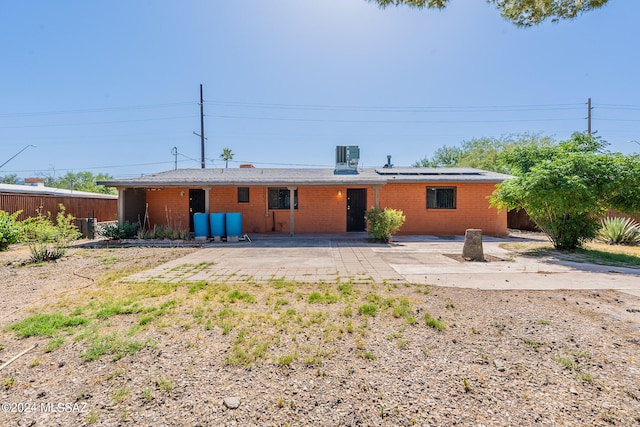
(234, 224)
(201, 225)
(217, 221)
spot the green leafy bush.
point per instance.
(565, 188)
(384, 223)
(619, 231)
(48, 240)
(42, 228)
(9, 229)
(115, 231)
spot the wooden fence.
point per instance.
(519, 220)
(103, 209)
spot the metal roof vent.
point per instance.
(389, 165)
(347, 158)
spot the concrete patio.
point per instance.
(415, 259)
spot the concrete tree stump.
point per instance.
(472, 249)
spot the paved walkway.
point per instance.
(414, 259)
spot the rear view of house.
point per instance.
(438, 201)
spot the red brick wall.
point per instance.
(472, 209)
(322, 210)
(171, 203)
(225, 199)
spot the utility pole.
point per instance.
(589, 108)
(202, 126)
(174, 151)
(201, 134)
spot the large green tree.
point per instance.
(482, 153)
(81, 181)
(11, 178)
(567, 188)
(523, 13)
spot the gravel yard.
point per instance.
(276, 352)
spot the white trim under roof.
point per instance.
(51, 191)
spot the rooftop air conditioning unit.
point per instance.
(347, 158)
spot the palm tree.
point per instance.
(226, 156)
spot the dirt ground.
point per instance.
(350, 353)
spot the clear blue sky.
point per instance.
(112, 86)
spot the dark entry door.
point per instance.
(135, 204)
(356, 207)
(196, 205)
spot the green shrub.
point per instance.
(48, 240)
(616, 231)
(42, 252)
(41, 228)
(38, 228)
(10, 229)
(66, 229)
(384, 223)
(115, 231)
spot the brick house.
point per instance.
(437, 201)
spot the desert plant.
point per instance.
(368, 309)
(114, 231)
(38, 228)
(384, 223)
(43, 252)
(433, 322)
(533, 344)
(66, 229)
(9, 229)
(49, 239)
(619, 231)
(42, 228)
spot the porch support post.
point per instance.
(121, 191)
(376, 198)
(292, 194)
(207, 201)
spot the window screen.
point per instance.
(243, 194)
(441, 197)
(279, 198)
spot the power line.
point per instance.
(97, 123)
(287, 119)
(93, 167)
(401, 109)
(95, 110)
(619, 107)
(620, 120)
